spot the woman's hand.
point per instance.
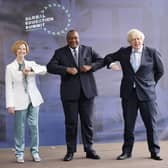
(11, 110)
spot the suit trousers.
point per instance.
(148, 111)
(32, 116)
(82, 107)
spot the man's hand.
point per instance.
(72, 71)
(115, 67)
(85, 68)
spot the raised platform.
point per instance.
(52, 157)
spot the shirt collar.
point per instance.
(77, 48)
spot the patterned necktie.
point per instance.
(75, 55)
(25, 83)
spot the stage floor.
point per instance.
(52, 157)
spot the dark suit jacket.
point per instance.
(71, 85)
(148, 74)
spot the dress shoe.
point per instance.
(68, 156)
(92, 155)
(124, 156)
(156, 157)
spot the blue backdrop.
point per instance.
(102, 25)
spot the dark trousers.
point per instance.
(148, 112)
(84, 108)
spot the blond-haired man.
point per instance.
(142, 68)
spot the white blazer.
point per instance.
(16, 96)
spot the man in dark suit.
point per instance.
(142, 68)
(76, 64)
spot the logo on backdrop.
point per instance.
(53, 19)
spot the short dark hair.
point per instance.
(70, 31)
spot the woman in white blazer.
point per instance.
(23, 99)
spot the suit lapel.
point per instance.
(142, 58)
(81, 59)
(15, 64)
(27, 63)
(84, 56)
(69, 55)
(128, 57)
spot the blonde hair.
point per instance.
(133, 33)
(16, 45)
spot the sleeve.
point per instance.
(9, 88)
(97, 61)
(158, 66)
(38, 69)
(112, 57)
(54, 66)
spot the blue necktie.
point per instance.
(134, 61)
